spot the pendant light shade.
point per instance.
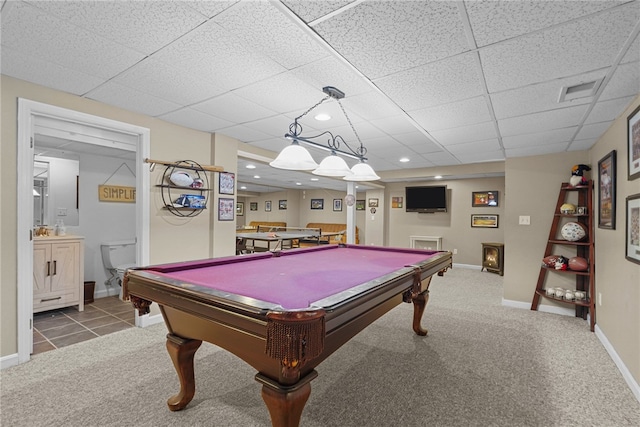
(294, 157)
(362, 172)
(333, 165)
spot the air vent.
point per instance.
(581, 90)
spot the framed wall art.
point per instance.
(337, 205)
(484, 198)
(317, 203)
(607, 191)
(360, 205)
(633, 144)
(227, 183)
(253, 206)
(240, 209)
(633, 229)
(484, 221)
(282, 205)
(396, 202)
(226, 212)
(267, 206)
(373, 203)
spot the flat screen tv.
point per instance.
(426, 199)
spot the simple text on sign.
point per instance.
(116, 193)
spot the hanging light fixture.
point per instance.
(296, 157)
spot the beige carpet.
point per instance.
(481, 365)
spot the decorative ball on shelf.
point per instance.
(573, 231)
(568, 208)
(181, 179)
(578, 264)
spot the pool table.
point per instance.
(282, 313)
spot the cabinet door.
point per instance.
(41, 269)
(65, 274)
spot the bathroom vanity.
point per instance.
(58, 272)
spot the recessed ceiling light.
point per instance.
(250, 166)
(322, 117)
(438, 177)
(298, 183)
(404, 159)
(256, 176)
(244, 187)
(315, 179)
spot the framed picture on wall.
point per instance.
(484, 221)
(282, 205)
(253, 206)
(317, 203)
(484, 198)
(337, 205)
(226, 212)
(396, 202)
(633, 147)
(227, 183)
(240, 209)
(633, 229)
(360, 205)
(267, 206)
(607, 191)
(373, 203)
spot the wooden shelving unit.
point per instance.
(585, 248)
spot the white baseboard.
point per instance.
(8, 361)
(469, 266)
(631, 382)
(148, 319)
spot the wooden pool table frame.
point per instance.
(242, 329)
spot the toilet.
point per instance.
(117, 257)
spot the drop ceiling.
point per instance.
(442, 83)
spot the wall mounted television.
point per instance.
(426, 199)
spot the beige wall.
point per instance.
(454, 226)
(530, 187)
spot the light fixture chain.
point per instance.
(309, 110)
(362, 151)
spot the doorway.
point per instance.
(34, 115)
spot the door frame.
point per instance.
(28, 113)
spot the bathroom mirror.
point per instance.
(55, 180)
(40, 193)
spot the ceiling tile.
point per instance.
(624, 82)
(145, 26)
(276, 126)
(440, 82)
(371, 105)
(476, 147)
(536, 150)
(283, 92)
(233, 108)
(633, 53)
(311, 10)
(443, 159)
(541, 96)
(261, 27)
(394, 125)
(30, 68)
(332, 71)
(546, 120)
(493, 21)
(30, 30)
(582, 144)
(593, 130)
(130, 99)
(194, 119)
(173, 84)
(463, 134)
(479, 157)
(608, 111)
(587, 44)
(382, 38)
(555, 136)
(243, 133)
(209, 8)
(447, 116)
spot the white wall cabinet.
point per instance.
(58, 272)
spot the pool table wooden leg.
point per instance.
(285, 404)
(182, 352)
(419, 304)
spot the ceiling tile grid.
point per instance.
(545, 120)
(194, 119)
(446, 116)
(130, 99)
(555, 136)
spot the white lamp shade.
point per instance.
(294, 157)
(361, 172)
(333, 166)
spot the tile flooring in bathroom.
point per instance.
(59, 328)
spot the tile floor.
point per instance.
(59, 328)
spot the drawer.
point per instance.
(51, 301)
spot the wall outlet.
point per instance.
(455, 251)
(524, 220)
(62, 212)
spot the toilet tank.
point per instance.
(117, 253)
